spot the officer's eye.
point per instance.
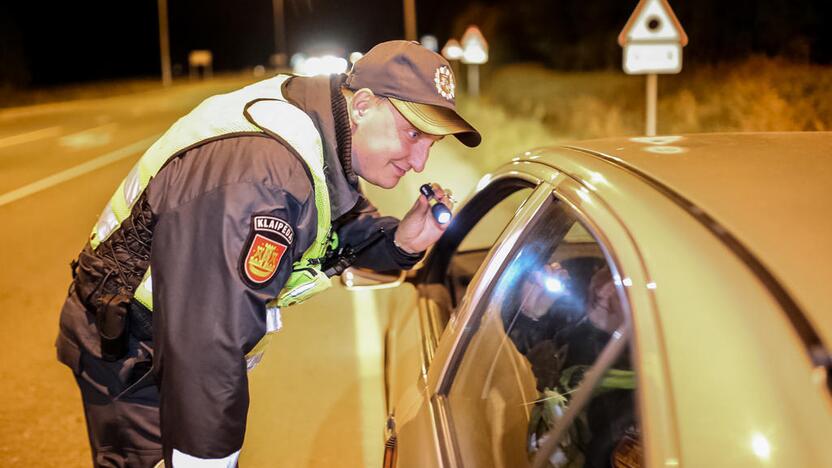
(414, 134)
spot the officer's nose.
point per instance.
(419, 157)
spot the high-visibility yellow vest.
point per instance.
(259, 108)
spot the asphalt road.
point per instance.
(317, 397)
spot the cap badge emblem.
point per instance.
(444, 81)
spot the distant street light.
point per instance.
(164, 43)
(355, 56)
(324, 65)
(430, 42)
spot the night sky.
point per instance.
(64, 42)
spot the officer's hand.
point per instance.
(419, 230)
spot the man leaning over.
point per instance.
(225, 220)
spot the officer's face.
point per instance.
(385, 145)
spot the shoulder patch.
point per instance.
(260, 258)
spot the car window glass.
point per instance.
(478, 241)
(544, 322)
(485, 233)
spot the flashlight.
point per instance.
(441, 213)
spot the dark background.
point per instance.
(50, 43)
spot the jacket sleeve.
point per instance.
(216, 260)
(364, 221)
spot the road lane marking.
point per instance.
(30, 136)
(76, 171)
(371, 395)
(89, 138)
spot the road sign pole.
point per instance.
(652, 84)
(474, 79)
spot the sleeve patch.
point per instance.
(269, 239)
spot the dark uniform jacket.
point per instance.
(193, 226)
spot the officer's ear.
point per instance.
(362, 100)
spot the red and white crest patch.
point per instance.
(263, 258)
(269, 239)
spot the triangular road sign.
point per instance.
(473, 38)
(474, 46)
(653, 21)
(452, 50)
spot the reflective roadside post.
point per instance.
(453, 52)
(652, 40)
(474, 53)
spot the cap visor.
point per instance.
(437, 120)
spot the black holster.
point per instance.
(107, 300)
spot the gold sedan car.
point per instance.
(627, 302)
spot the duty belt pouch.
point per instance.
(112, 319)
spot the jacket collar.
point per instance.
(321, 99)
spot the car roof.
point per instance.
(771, 191)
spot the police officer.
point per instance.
(226, 219)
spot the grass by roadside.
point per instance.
(503, 134)
(758, 94)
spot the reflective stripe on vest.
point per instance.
(258, 108)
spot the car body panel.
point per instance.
(403, 347)
(723, 376)
(759, 187)
(405, 379)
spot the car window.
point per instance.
(479, 239)
(544, 322)
(486, 231)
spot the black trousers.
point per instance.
(123, 432)
(121, 401)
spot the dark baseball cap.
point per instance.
(419, 83)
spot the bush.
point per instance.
(758, 94)
(503, 135)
